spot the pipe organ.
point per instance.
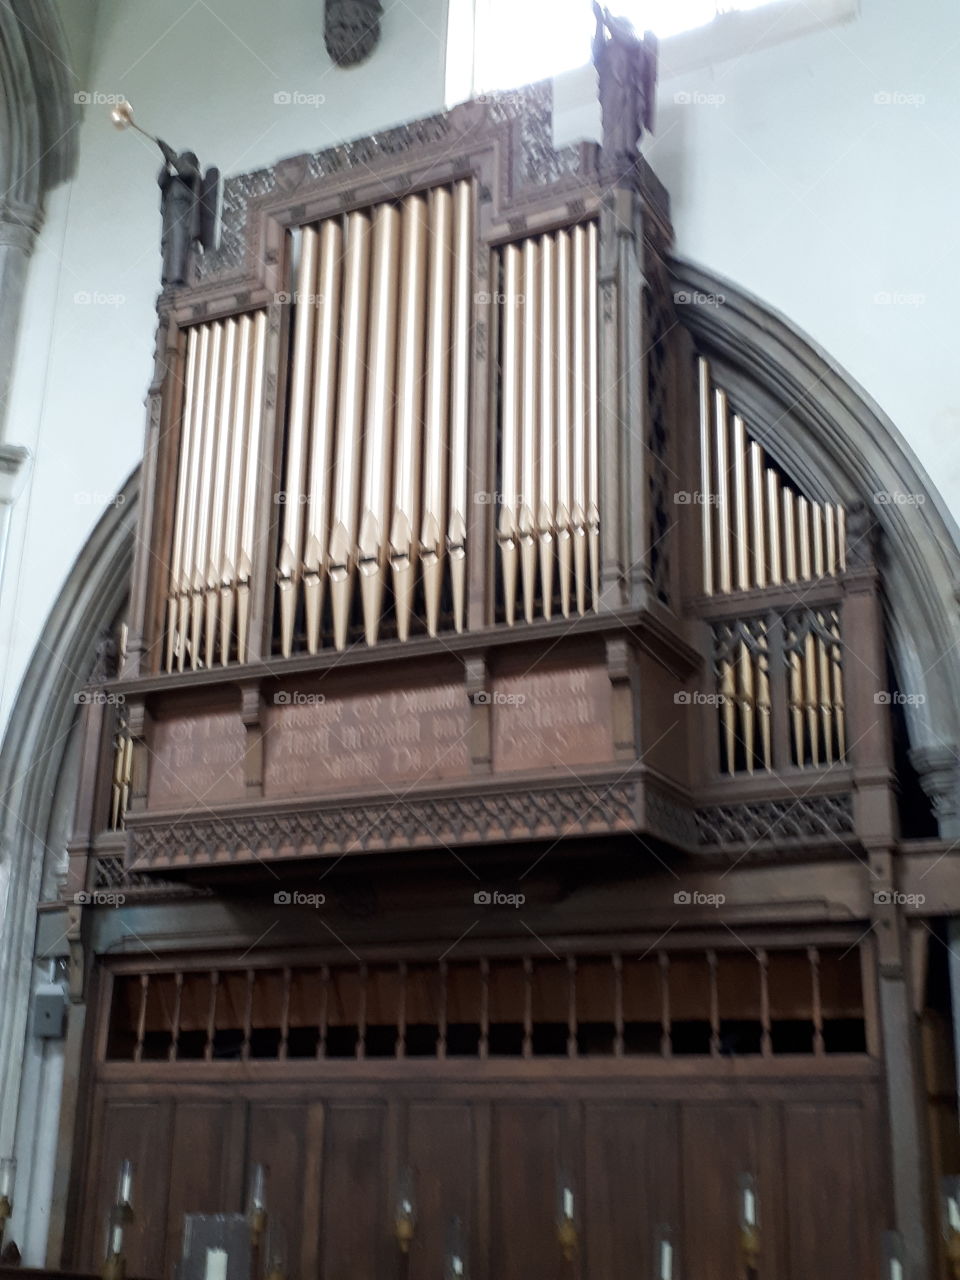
(376, 478)
(549, 496)
(758, 529)
(435, 662)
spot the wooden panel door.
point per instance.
(631, 1185)
(524, 1161)
(442, 1153)
(356, 1220)
(141, 1132)
(834, 1222)
(207, 1156)
(718, 1143)
(276, 1137)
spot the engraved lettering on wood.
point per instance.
(545, 720)
(317, 744)
(197, 761)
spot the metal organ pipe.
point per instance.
(436, 415)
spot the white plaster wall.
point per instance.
(202, 74)
(822, 173)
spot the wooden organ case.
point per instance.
(494, 783)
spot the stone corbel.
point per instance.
(938, 768)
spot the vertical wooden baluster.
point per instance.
(571, 1006)
(324, 1011)
(666, 1025)
(400, 1049)
(714, 1005)
(766, 1044)
(813, 955)
(285, 1016)
(248, 1015)
(617, 1005)
(362, 1016)
(527, 1007)
(175, 1027)
(141, 1017)
(211, 1015)
(484, 1008)
(442, 1021)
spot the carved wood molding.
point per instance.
(764, 821)
(541, 812)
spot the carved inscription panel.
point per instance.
(196, 761)
(551, 717)
(321, 741)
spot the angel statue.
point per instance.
(627, 80)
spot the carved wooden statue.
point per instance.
(627, 78)
(188, 203)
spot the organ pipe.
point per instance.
(436, 416)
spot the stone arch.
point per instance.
(827, 432)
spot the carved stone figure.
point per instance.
(351, 30)
(627, 78)
(188, 201)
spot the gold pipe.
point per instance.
(460, 399)
(830, 530)
(842, 538)
(218, 513)
(721, 443)
(378, 420)
(190, 496)
(728, 711)
(796, 705)
(810, 672)
(181, 511)
(578, 512)
(773, 516)
(346, 475)
(510, 408)
(763, 707)
(126, 776)
(252, 472)
(593, 417)
(204, 503)
(741, 511)
(231, 546)
(838, 704)
(747, 703)
(546, 513)
(564, 466)
(758, 533)
(806, 544)
(789, 537)
(406, 475)
(706, 490)
(826, 706)
(529, 423)
(322, 426)
(437, 408)
(816, 516)
(298, 417)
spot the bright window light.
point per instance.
(520, 41)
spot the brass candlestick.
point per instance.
(6, 1209)
(749, 1226)
(567, 1235)
(405, 1221)
(114, 1263)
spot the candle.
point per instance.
(896, 1269)
(116, 1239)
(749, 1207)
(567, 1203)
(216, 1266)
(457, 1266)
(125, 1183)
(953, 1213)
(8, 1168)
(666, 1260)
